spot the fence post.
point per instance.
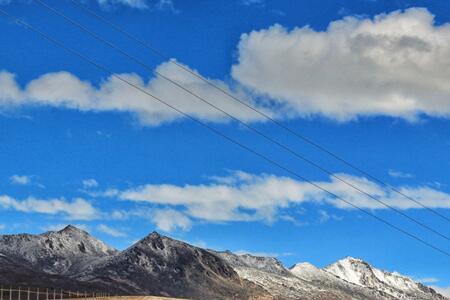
(1, 293)
(18, 292)
(46, 294)
(10, 293)
(28, 294)
(37, 294)
(61, 294)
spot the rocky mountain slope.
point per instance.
(64, 252)
(159, 265)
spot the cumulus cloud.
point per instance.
(20, 179)
(78, 209)
(248, 197)
(65, 90)
(395, 64)
(110, 231)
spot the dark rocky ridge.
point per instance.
(158, 265)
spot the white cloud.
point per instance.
(2, 226)
(398, 174)
(166, 219)
(64, 90)
(324, 217)
(427, 280)
(247, 197)
(78, 209)
(110, 231)
(139, 4)
(396, 65)
(20, 179)
(170, 219)
(167, 5)
(89, 183)
(252, 2)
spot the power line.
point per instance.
(245, 124)
(217, 132)
(261, 113)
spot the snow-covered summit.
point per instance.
(361, 273)
(307, 271)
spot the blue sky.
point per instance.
(366, 79)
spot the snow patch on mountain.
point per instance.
(266, 264)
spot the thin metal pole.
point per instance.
(46, 295)
(19, 293)
(10, 293)
(37, 294)
(28, 294)
(1, 293)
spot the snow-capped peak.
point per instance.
(361, 273)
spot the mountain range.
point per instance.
(161, 266)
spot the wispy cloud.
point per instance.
(324, 217)
(398, 174)
(78, 209)
(20, 179)
(89, 183)
(111, 231)
(252, 2)
(427, 280)
(139, 4)
(165, 5)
